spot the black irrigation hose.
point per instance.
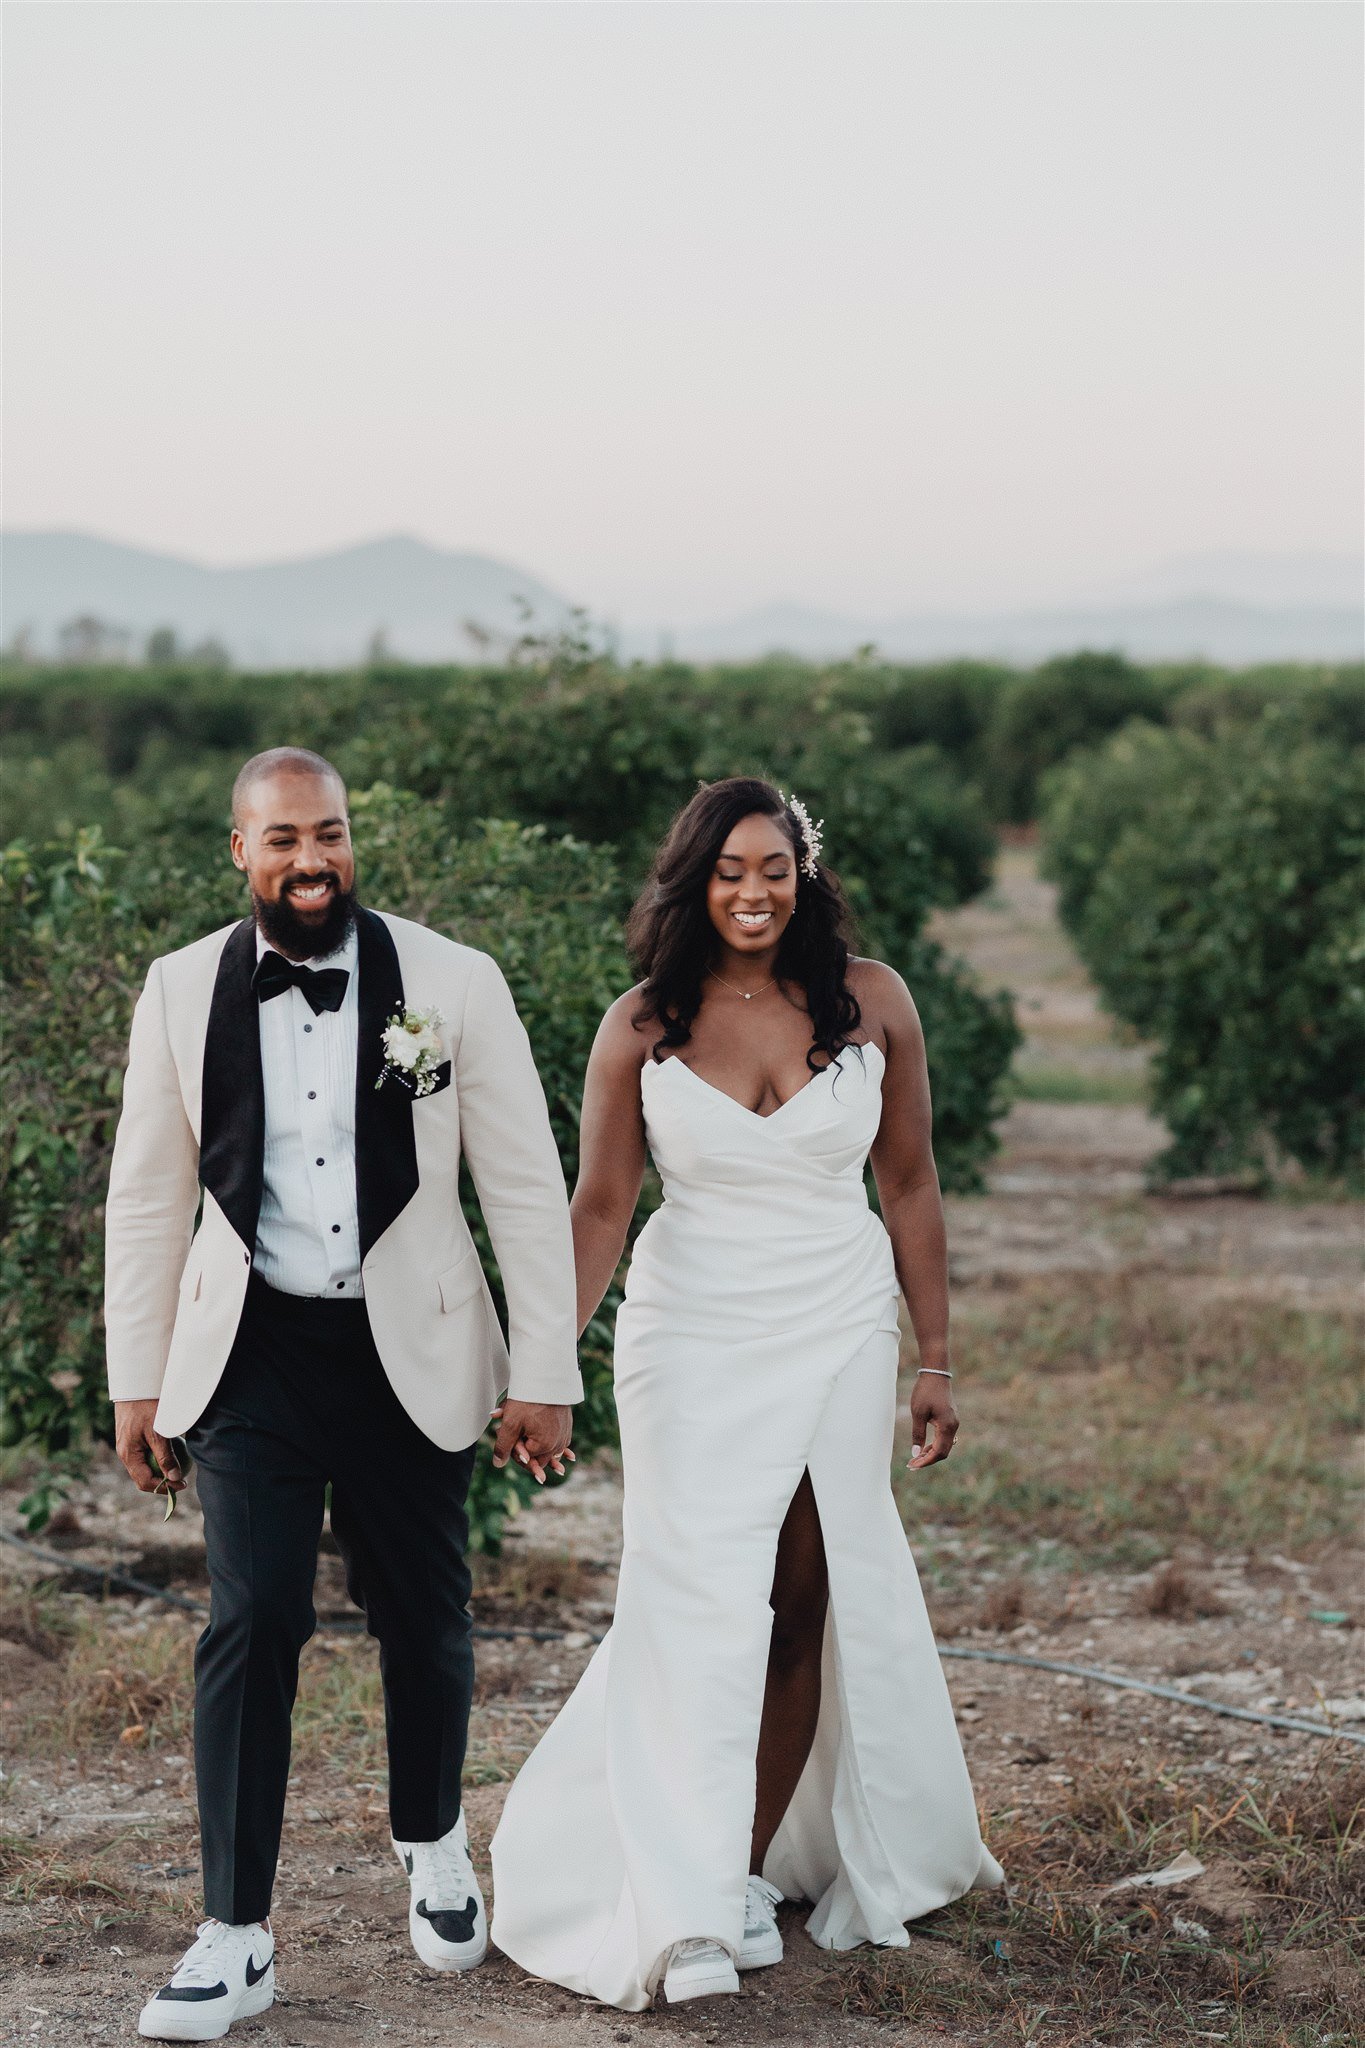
(1299, 1723)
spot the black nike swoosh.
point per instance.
(255, 1976)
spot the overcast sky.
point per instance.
(689, 307)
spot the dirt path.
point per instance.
(82, 1808)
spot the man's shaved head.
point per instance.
(291, 838)
(279, 761)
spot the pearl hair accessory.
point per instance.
(812, 835)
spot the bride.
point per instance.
(767, 1717)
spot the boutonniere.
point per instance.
(412, 1050)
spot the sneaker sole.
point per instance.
(701, 1986)
(761, 1955)
(449, 1956)
(185, 2025)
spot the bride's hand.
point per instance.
(932, 1401)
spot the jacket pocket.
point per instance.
(440, 1079)
(460, 1281)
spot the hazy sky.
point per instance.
(687, 307)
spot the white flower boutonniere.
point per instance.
(412, 1049)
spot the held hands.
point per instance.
(536, 1433)
(932, 1401)
(135, 1437)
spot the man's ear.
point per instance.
(237, 848)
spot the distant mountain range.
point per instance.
(423, 603)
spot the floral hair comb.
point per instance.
(812, 834)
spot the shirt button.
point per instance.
(340, 1285)
(322, 1162)
(336, 1228)
(307, 1027)
(312, 1094)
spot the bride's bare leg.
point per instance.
(791, 1695)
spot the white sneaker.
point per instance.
(698, 1969)
(762, 1942)
(229, 1974)
(446, 1916)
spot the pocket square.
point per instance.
(440, 1078)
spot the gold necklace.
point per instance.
(747, 993)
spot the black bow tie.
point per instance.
(324, 988)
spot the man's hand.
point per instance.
(536, 1433)
(136, 1434)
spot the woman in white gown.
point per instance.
(767, 1716)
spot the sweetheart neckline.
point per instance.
(870, 1045)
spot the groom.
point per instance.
(328, 1323)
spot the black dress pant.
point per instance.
(303, 1401)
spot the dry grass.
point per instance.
(1267, 1948)
(1178, 1594)
(131, 1687)
(45, 1870)
(35, 1620)
(531, 1587)
(1120, 1418)
(1003, 1606)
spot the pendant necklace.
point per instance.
(747, 993)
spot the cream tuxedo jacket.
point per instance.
(194, 1118)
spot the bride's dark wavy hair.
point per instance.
(671, 937)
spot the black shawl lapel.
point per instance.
(232, 1110)
(385, 1142)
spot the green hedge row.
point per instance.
(79, 921)
(568, 738)
(1214, 881)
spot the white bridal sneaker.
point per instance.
(229, 1974)
(698, 1969)
(762, 1942)
(446, 1917)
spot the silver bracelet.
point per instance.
(937, 1370)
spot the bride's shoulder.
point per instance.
(625, 1035)
(882, 996)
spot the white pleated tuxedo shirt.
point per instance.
(308, 1234)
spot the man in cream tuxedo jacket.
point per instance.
(328, 1322)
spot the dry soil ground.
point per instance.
(1158, 1476)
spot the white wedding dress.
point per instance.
(757, 1340)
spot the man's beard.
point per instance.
(289, 934)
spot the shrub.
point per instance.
(949, 705)
(605, 754)
(1214, 889)
(1328, 703)
(81, 922)
(1070, 702)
